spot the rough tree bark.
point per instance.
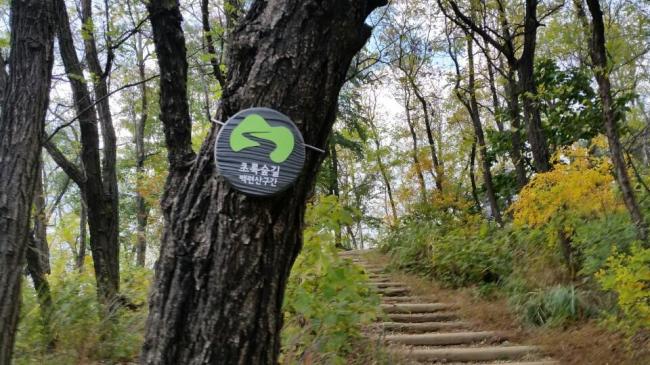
(601, 71)
(26, 96)
(225, 257)
(109, 204)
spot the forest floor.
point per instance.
(587, 343)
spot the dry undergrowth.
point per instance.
(580, 344)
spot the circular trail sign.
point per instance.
(259, 151)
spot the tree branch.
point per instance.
(216, 67)
(74, 172)
(464, 21)
(67, 124)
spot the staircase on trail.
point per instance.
(423, 331)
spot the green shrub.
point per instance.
(456, 247)
(595, 240)
(81, 334)
(463, 258)
(327, 299)
(553, 306)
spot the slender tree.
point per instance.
(601, 67)
(472, 175)
(225, 257)
(523, 62)
(414, 139)
(383, 169)
(468, 98)
(24, 104)
(142, 209)
(97, 179)
(410, 63)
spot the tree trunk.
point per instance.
(98, 185)
(142, 210)
(478, 130)
(525, 68)
(40, 224)
(601, 70)
(568, 253)
(225, 257)
(38, 259)
(26, 97)
(496, 106)
(109, 204)
(437, 166)
(515, 127)
(207, 33)
(468, 99)
(524, 65)
(414, 138)
(83, 240)
(512, 100)
(382, 168)
(472, 177)
(334, 190)
(513, 109)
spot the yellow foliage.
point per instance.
(628, 276)
(450, 200)
(580, 185)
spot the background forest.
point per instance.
(494, 144)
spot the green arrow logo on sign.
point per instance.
(256, 126)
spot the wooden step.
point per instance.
(389, 284)
(401, 290)
(443, 339)
(393, 292)
(377, 280)
(344, 253)
(492, 353)
(379, 277)
(407, 299)
(415, 307)
(419, 318)
(374, 270)
(421, 327)
(545, 362)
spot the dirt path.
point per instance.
(425, 330)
